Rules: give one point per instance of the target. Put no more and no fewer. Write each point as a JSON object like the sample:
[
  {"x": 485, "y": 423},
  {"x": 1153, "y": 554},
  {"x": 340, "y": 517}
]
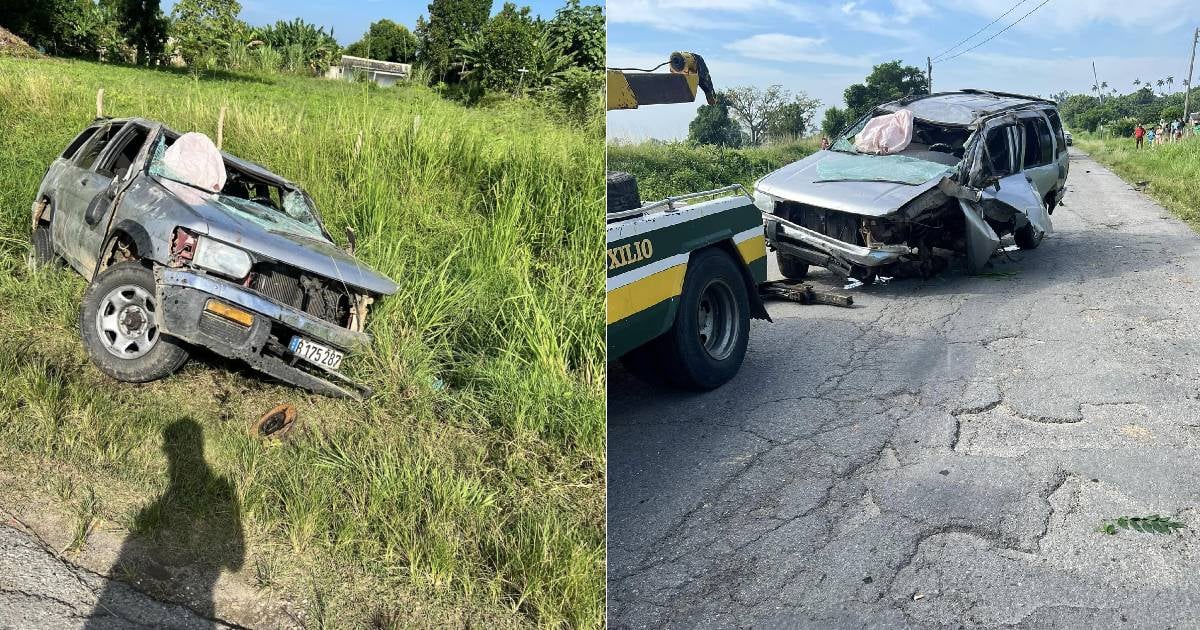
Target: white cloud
[
  {"x": 854, "y": 16},
  {"x": 779, "y": 47},
  {"x": 688, "y": 15}
]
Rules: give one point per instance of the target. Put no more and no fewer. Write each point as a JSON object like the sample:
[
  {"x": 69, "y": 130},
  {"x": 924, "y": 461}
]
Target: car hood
[
  {"x": 800, "y": 182},
  {"x": 310, "y": 254}
]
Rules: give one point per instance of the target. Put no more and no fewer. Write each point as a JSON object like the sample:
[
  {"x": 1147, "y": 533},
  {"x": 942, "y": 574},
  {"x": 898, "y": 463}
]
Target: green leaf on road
[{"x": 1153, "y": 524}]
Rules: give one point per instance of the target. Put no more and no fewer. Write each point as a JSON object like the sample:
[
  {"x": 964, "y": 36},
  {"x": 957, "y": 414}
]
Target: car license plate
[{"x": 315, "y": 353}]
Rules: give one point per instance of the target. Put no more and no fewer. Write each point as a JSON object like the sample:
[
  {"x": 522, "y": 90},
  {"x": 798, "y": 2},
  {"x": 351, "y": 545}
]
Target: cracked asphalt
[
  {"x": 939, "y": 456},
  {"x": 38, "y": 590}
]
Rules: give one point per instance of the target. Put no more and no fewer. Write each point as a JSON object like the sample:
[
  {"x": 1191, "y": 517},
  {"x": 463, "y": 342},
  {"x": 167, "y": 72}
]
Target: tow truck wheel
[
  {"x": 707, "y": 344},
  {"x": 118, "y": 322},
  {"x": 791, "y": 267}
]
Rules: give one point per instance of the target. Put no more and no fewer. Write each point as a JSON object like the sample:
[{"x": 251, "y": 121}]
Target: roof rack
[{"x": 1004, "y": 94}]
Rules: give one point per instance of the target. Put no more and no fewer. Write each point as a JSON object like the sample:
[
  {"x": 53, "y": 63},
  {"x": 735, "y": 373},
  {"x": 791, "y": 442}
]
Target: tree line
[
  {"x": 751, "y": 116},
  {"x": 459, "y": 47},
  {"x": 1107, "y": 109}
]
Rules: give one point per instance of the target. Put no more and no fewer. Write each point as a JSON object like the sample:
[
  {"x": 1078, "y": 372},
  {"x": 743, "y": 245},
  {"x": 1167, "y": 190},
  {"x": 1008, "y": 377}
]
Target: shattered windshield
[
  {"x": 294, "y": 214},
  {"x": 901, "y": 169}
]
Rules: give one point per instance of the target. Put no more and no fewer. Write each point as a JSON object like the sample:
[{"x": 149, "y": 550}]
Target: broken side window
[
  {"x": 87, "y": 157},
  {"x": 73, "y": 148},
  {"x": 999, "y": 156}
]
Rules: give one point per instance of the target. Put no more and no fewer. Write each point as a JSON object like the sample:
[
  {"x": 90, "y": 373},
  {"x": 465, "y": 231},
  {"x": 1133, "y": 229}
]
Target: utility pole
[
  {"x": 929, "y": 73},
  {"x": 1187, "y": 86},
  {"x": 1096, "y": 79}
]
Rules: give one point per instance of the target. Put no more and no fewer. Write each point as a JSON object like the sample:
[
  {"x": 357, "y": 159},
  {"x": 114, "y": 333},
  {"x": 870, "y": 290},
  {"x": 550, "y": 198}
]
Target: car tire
[
  {"x": 791, "y": 267},
  {"x": 622, "y": 192},
  {"x": 707, "y": 344},
  {"x": 42, "y": 250},
  {"x": 118, "y": 325},
  {"x": 1027, "y": 238}
]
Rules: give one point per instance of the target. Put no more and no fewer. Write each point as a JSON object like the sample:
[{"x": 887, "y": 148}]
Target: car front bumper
[
  {"x": 183, "y": 294},
  {"x": 826, "y": 251}
]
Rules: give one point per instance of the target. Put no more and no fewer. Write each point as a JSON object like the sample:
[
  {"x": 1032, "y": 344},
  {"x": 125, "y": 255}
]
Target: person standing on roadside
[
  {"x": 1139, "y": 133},
  {"x": 1150, "y": 136}
]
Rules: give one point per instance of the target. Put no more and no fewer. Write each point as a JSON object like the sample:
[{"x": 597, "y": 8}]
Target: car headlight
[
  {"x": 765, "y": 202},
  {"x": 220, "y": 258}
]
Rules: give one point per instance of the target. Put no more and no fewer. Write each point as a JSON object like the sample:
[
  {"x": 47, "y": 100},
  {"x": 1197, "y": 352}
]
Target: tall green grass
[
  {"x": 473, "y": 480},
  {"x": 1173, "y": 169},
  {"x": 675, "y": 168}
]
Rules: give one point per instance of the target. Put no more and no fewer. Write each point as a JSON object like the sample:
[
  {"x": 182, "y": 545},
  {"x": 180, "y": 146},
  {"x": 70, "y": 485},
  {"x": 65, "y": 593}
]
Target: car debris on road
[
  {"x": 184, "y": 244},
  {"x": 919, "y": 179}
]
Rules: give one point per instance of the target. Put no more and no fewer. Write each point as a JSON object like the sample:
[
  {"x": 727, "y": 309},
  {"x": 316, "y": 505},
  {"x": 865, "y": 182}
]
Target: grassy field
[
  {"x": 1173, "y": 170},
  {"x": 665, "y": 169},
  {"x": 473, "y": 481}
]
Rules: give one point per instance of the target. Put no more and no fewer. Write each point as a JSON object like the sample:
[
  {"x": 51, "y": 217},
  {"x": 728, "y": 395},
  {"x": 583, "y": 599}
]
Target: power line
[
  {"x": 997, "y": 33},
  {"x": 989, "y": 25}
]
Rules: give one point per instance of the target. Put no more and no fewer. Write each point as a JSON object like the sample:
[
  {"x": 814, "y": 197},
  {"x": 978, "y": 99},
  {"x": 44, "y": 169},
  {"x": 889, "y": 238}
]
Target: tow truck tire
[
  {"x": 792, "y": 267},
  {"x": 150, "y": 355},
  {"x": 1027, "y": 238},
  {"x": 706, "y": 346},
  {"x": 622, "y": 191}
]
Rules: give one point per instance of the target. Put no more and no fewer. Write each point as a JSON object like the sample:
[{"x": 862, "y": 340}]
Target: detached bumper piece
[
  {"x": 239, "y": 324},
  {"x": 802, "y": 294},
  {"x": 826, "y": 251}
]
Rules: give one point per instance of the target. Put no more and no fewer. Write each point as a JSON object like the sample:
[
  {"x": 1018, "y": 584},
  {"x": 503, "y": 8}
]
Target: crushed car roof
[
  {"x": 253, "y": 168},
  {"x": 960, "y": 108}
]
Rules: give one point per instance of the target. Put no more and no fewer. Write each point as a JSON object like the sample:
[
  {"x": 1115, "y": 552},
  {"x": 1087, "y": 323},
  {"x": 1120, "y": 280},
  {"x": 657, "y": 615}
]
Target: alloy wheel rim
[{"x": 126, "y": 322}]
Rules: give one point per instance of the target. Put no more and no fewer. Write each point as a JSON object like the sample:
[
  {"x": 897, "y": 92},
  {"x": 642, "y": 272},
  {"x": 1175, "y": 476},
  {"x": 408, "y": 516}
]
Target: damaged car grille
[
  {"x": 843, "y": 226},
  {"x": 312, "y": 294}
]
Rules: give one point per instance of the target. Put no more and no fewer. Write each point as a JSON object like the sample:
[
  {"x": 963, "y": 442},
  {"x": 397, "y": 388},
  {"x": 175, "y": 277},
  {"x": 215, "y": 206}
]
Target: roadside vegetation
[
  {"x": 665, "y": 169},
  {"x": 458, "y": 47},
  {"x": 1172, "y": 169},
  {"x": 469, "y": 490}
]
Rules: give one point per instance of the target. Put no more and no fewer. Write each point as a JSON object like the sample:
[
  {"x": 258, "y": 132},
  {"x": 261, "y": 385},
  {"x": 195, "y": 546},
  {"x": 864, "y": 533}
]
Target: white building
[{"x": 384, "y": 73}]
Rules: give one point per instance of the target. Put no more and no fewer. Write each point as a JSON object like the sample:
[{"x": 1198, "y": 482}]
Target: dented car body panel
[
  {"x": 104, "y": 204},
  {"x": 981, "y": 165}
]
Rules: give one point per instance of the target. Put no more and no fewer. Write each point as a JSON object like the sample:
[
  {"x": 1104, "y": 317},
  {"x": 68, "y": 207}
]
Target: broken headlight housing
[
  {"x": 763, "y": 201},
  {"x": 218, "y": 257}
]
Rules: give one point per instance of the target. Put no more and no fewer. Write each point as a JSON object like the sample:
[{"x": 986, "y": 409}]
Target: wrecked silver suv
[
  {"x": 184, "y": 244},
  {"x": 974, "y": 167}
]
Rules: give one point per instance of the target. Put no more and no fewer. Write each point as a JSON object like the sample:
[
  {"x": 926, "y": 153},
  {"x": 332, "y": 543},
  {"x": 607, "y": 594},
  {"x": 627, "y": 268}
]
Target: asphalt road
[
  {"x": 40, "y": 591},
  {"x": 939, "y": 456}
]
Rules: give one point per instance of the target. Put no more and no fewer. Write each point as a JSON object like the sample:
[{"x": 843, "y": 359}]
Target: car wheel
[
  {"x": 791, "y": 267},
  {"x": 622, "y": 192},
  {"x": 706, "y": 346},
  {"x": 42, "y": 252},
  {"x": 1027, "y": 237},
  {"x": 118, "y": 322}
]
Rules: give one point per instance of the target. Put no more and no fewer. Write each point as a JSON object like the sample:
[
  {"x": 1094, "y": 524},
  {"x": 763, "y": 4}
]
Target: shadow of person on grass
[{"x": 180, "y": 543}]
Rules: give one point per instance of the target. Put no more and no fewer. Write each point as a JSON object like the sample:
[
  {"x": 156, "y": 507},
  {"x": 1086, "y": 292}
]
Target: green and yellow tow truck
[{"x": 683, "y": 272}]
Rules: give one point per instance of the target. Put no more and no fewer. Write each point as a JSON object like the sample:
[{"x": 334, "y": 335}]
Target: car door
[
  {"x": 1039, "y": 161},
  {"x": 117, "y": 165},
  {"x": 78, "y": 186},
  {"x": 1007, "y": 193}
]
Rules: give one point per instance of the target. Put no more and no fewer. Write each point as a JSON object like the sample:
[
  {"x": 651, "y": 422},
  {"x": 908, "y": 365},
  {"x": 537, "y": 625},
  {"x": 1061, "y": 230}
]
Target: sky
[
  {"x": 350, "y": 18},
  {"x": 820, "y": 48}
]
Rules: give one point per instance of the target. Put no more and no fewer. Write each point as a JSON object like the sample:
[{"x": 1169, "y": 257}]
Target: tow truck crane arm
[{"x": 630, "y": 88}]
